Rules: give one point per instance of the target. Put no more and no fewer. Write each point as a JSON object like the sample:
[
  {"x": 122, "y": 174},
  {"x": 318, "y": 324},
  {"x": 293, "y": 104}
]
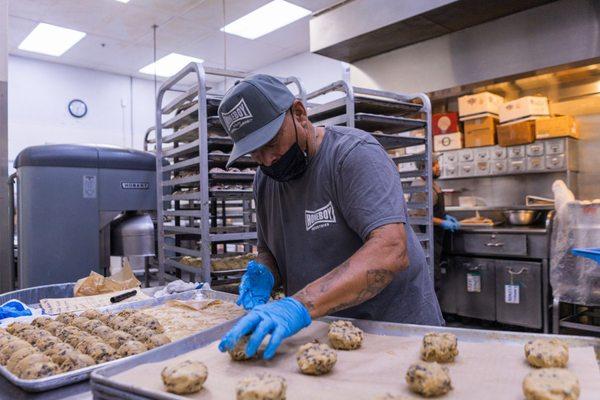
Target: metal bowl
[{"x": 521, "y": 217}]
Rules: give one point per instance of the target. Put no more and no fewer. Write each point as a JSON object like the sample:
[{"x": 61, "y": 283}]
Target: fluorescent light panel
[
  {"x": 123, "y": 1},
  {"x": 169, "y": 65},
  {"x": 51, "y": 39},
  {"x": 265, "y": 19}
]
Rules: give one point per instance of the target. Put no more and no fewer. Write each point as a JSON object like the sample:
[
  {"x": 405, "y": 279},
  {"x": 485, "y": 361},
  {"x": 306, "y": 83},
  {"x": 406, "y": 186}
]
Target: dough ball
[
  {"x": 261, "y": 387},
  {"x": 17, "y": 327},
  {"x": 57, "y": 353},
  {"x": 66, "y": 318},
  {"x": 73, "y": 360},
  {"x": 238, "y": 353},
  {"x": 17, "y": 357},
  {"x": 117, "y": 322},
  {"x": 315, "y": 358},
  {"x": 105, "y": 317},
  {"x": 53, "y": 326},
  {"x": 85, "y": 344},
  {"x": 45, "y": 342},
  {"x": 184, "y": 378},
  {"x": 141, "y": 333},
  {"x": 11, "y": 347},
  {"x": 78, "y": 338},
  {"x": 148, "y": 321},
  {"x": 428, "y": 379},
  {"x": 65, "y": 331},
  {"x": 547, "y": 353},
  {"x": 157, "y": 340},
  {"x": 5, "y": 339},
  {"x": 551, "y": 384},
  {"x": 117, "y": 338},
  {"x": 102, "y": 331},
  {"x": 28, "y": 361},
  {"x": 41, "y": 322},
  {"x": 131, "y": 347},
  {"x": 127, "y": 313},
  {"x": 32, "y": 335},
  {"x": 343, "y": 335},
  {"x": 91, "y": 314},
  {"x": 101, "y": 352},
  {"x": 440, "y": 347},
  {"x": 79, "y": 322},
  {"x": 39, "y": 370},
  {"x": 92, "y": 324}
]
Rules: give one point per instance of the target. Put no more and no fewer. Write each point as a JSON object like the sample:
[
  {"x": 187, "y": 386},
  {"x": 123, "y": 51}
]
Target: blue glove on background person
[
  {"x": 256, "y": 286},
  {"x": 450, "y": 223},
  {"x": 280, "y": 319}
]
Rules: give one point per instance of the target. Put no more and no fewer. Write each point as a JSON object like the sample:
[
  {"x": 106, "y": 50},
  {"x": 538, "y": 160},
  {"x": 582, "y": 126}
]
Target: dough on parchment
[
  {"x": 261, "y": 387},
  {"x": 428, "y": 379},
  {"x": 53, "y": 326},
  {"x": 73, "y": 360},
  {"x": 28, "y": 361},
  {"x": 551, "y": 384},
  {"x": 45, "y": 342},
  {"x": 316, "y": 358},
  {"x": 117, "y": 322},
  {"x": 78, "y": 338},
  {"x": 66, "y": 318},
  {"x": 148, "y": 321},
  {"x": 16, "y": 327},
  {"x": 65, "y": 331},
  {"x": 185, "y": 377},
  {"x": 141, "y": 333},
  {"x": 101, "y": 352},
  {"x": 39, "y": 370},
  {"x": 58, "y": 352},
  {"x": 157, "y": 340},
  {"x": 440, "y": 347},
  {"x": 547, "y": 353},
  {"x": 131, "y": 347},
  {"x": 11, "y": 347},
  {"x": 103, "y": 331},
  {"x": 79, "y": 322},
  {"x": 238, "y": 353},
  {"x": 117, "y": 338},
  {"x": 17, "y": 357},
  {"x": 343, "y": 335},
  {"x": 92, "y": 324}
]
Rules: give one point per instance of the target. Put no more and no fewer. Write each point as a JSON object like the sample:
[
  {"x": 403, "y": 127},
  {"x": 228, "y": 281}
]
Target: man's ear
[{"x": 299, "y": 112}]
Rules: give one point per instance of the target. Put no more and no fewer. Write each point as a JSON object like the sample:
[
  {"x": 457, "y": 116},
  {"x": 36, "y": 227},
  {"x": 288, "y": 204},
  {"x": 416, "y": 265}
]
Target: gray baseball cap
[{"x": 252, "y": 112}]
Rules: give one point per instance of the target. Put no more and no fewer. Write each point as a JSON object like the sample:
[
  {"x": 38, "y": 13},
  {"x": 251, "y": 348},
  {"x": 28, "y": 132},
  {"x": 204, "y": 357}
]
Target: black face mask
[{"x": 291, "y": 165}]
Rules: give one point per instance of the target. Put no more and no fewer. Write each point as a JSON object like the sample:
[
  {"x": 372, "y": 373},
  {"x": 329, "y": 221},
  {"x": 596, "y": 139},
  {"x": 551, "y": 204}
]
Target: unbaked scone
[
  {"x": 551, "y": 384},
  {"x": 238, "y": 353},
  {"x": 73, "y": 360},
  {"x": 131, "y": 347},
  {"x": 261, "y": 387},
  {"x": 11, "y": 347},
  {"x": 316, "y": 358},
  {"x": 39, "y": 370},
  {"x": 547, "y": 353},
  {"x": 343, "y": 335},
  {"x": 428, "y": 379},
  {"x": 157, "y": 340},
  {"x": 185, "y": 377},
  {"x": 440, "y": 347}
]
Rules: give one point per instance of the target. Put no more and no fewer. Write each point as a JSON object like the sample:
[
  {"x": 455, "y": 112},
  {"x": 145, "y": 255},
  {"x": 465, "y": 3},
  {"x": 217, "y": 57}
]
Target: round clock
[{"x": 77, "y": 108}]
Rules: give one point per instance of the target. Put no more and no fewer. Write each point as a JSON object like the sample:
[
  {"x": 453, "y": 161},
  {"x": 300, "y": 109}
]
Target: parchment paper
[
  {"x": 97, "y": 284},
  {"x": 55, "y": 306},
  {"x": 487, "y": 370}
]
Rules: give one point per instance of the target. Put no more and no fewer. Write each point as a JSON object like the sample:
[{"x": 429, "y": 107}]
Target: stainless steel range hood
[{"x": 357, "y": 29}]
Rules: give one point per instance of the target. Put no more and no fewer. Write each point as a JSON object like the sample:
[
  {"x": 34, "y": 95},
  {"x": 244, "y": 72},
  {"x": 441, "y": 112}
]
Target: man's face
[
  {"x": 278, "y": 146},
  {"x": 435, "y": 169}
]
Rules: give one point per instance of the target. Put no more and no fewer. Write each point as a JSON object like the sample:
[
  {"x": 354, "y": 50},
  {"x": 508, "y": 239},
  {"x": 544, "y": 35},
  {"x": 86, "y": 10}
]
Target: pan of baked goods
[
  {"x": 364, "y": 360},
  {"x": 47, "y": 352}
]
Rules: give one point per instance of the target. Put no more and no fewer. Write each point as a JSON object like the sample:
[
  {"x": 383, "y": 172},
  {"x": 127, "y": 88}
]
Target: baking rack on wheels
[
  {"x": 390, "y": 117},
  {"x": 206, "y": 213}
]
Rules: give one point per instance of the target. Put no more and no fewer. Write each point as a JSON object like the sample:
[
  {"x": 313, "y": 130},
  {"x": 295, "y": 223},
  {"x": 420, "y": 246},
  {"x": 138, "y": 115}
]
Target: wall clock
[{"x": 77, "y": 108}]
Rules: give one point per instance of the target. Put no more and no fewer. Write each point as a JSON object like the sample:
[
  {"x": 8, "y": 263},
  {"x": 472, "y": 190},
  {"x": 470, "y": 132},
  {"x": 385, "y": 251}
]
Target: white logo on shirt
[
  {"x": 319, "y": 218},
  {"x": 237, "y": 117}
]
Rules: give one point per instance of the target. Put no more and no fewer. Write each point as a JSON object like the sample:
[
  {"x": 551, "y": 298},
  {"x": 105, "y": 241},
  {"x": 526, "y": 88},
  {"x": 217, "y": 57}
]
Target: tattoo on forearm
[{"x": 333, "y": 276}]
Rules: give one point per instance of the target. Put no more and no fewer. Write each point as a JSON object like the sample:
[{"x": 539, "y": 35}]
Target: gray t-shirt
[{"x": 314, "y": 223}]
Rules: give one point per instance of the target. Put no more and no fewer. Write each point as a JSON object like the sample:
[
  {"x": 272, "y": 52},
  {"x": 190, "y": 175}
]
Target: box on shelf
[
  {"x": 442, "y": 123},
  {"x": 528, "y": 107},
  {"x": 516, "y": 133},
  {"x": 449, "y": 141},
  {"x": 476, "y": 105},
  {"x": 556, "y": 127},
  {"x": 480, "y": 132}
]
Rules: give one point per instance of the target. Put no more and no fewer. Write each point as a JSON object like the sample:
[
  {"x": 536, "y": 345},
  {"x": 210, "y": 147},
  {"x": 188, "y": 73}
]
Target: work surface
[{"x": 490, "y": 370}]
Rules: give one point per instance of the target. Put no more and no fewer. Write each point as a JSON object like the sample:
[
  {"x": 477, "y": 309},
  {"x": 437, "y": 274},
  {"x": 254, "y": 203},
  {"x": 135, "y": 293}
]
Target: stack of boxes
[{"x": 479, "y": 113}]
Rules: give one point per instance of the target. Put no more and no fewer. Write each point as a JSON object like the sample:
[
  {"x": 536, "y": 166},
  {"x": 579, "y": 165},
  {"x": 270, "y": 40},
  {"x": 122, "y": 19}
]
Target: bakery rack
[
  {"x": 204, "y": 211},
  {"x": 402, "y": 125}
]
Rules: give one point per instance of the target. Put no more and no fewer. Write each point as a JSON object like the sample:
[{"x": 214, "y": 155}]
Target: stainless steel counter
[{"x": 505, "y": 229}]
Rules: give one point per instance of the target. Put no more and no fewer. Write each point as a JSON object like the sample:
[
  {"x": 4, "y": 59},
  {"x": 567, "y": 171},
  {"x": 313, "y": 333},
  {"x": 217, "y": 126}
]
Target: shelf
[
  {"x": 382, "y": 123},
  {"x": 409, "y": 158},
  {"x": 232, "y": 176},
  {"x": 362, "y": 105},
  {"x": 549, "y": 171},
  {"x": 221, "y": 160}
]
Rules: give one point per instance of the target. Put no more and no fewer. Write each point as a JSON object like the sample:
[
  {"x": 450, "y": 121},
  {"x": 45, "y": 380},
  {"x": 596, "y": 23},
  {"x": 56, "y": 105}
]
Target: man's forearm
[
  {"x": 361, "y": 277},
  {"x": 266, "y": 258}
]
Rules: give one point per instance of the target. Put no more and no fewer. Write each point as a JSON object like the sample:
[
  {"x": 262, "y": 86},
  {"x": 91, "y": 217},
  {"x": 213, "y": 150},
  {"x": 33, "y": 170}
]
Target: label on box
[
  {"x": 511, "y": 294},
  {"x": 474, "y": 282}
]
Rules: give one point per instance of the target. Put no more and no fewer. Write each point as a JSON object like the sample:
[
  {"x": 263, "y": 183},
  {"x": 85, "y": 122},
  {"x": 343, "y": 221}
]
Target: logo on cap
[{"x": 237, "y": 117}]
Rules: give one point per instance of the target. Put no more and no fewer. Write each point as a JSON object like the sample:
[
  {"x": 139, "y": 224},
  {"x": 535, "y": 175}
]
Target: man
[{"x": 331, "y": 222}]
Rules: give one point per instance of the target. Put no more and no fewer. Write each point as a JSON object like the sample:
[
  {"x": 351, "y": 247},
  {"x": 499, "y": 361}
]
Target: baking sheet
[{"x": 483, "y": 370}]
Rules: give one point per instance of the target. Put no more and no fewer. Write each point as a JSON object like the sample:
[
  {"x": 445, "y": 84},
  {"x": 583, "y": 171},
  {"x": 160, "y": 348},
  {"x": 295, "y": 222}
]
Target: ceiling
[{"x": 120, "y": 36}]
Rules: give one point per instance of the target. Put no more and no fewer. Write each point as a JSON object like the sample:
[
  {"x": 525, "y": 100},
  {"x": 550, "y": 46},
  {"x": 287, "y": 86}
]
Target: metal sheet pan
[
  {"x": 103, "y": 383},
  {"x": 363, "y": 105},
  {"x": 39, "y": 385}
]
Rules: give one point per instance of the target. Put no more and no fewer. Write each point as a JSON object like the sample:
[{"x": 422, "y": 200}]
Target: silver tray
[
  {"x": 105, "y": 387},
  {"x": 67, "y": 378}
]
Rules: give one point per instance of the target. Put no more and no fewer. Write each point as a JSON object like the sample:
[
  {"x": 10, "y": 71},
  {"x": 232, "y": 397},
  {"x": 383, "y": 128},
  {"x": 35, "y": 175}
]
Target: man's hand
[
  {"x": 255, "y": 288},
  {"x": 280, "y": 319},
  {"x": 450, "y": 223}
]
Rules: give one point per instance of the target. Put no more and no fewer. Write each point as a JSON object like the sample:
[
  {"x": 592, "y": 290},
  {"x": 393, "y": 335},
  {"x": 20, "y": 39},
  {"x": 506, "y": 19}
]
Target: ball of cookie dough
[
  {"x": 141, "y": 333},
  {"x": 316, "y": 358},
  {"x": 343, "y": 335},
  {"x": 17, "y": 357},
  {"x": 102, "y": 331},
  {"x": 148, "y": 321},
  {"x": 73, "y": 360},
  {"x": 117, "y": 338},
  {"x": 28, "y": 361},
  {"x": 117, "y": 322},
  {"x": 101, "y": 352},
  {"x": 75, "y": 340},
  {"x": 58, "y": 352},
  {"x": 261, "y": 387},
  {"x": 131, "y": 347},
  {"x": 30, "y": 335},
  {"x": 41, "y": 322},
  {"x": 157, "y": 340},
  {"x": 91, "y": 314},
  {"x": 45, "y": 342},
  {"x": 79, "y": 322},
  {"x": 39, "y": 370},
  {"x": 66, "y": 318},
  {"x": 238, "y": 353},
  {"x": 92, "y": 324},
  {"x": 428, "y": 379},
  {"x": 546, "y": 353},
  {"x": 65, "y": 331},
  {"x": 551, "y": 384},
  {"x": 11, "y": 347},
  {"x": 184, "y": 378},
  {"x": 127, "y": 313},
  {"x": 6, "y": 338},
  {"x": 15, "y": 327},
  {"x": 440, "y": 347},
  {"x": 84, "y": 345},
  {"x": 53, "y": 326},
  {"x": 105, "y": 317}
]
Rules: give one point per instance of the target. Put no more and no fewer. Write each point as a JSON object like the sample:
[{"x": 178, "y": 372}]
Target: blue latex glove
[
  {"x": 255, "y": 288},
  {"x": 280, "y": 319},
  {"x": 13, "y": 308},
  {"x": 592, "y": 253},
  {"x": 450, "y": 223}
]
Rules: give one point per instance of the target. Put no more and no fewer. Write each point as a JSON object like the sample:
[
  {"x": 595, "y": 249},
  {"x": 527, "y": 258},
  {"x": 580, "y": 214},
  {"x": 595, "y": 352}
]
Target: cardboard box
[
  {"x": 556, "y": 127},
  {"x": 476, "y": 105},
  {"x": 480, "y": 132},
  {"x": 449, "y": 141},
  {"x": 528, "y": 107},
  {"x": 516, "y": 133},
  {"x": 443, "y": 123}
]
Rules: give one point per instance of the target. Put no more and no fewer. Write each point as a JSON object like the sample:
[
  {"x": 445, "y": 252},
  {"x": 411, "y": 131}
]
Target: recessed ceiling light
[
  {"x": 265, "y": 19},
  {"x": 51, "y": 39},
  {"x": 169, "y": 65},
  {"x": 123, "y": 1}
]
